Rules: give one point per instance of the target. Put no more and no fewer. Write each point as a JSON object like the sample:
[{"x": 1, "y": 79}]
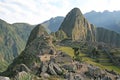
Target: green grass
[
  {"x": 115, "y": 68},
  {"x": 68, "y": 50},
  {"x": 92, "y": 61},
  {"x": 88, "y": 60}
]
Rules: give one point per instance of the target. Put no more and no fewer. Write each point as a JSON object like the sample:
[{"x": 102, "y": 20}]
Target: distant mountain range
[
  {"x": 106, "y": 19},
  {"x": 53, "y": 24}
]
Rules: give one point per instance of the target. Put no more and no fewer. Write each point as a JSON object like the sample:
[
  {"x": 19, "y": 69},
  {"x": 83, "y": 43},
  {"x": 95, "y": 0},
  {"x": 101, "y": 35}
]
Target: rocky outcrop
[
  {"x": 4, "y": 78},
  {"x": 57, "y": 69},
  {"x": 21, "y": 75},
  {"x": 43, "y": 67},
  {"x": 63, "y": 58},
  {"x": 38, "y": 31},
  {"x": 70, "y": 76},
  {"x": 70, "y": 67},
  {"x": 94, "y": 71},
  {"x": 77, "y": 27},
  {"x": 50, "y": 68}
]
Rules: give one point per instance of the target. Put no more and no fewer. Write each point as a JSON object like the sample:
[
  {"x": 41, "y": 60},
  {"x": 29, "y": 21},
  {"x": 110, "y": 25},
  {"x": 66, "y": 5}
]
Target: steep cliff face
[
  {"x": 110, "y": 37},
  {"x": 77, "y": 27}
]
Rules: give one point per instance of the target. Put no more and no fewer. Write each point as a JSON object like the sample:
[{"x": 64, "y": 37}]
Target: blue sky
[{"x": 37, "y": 11}]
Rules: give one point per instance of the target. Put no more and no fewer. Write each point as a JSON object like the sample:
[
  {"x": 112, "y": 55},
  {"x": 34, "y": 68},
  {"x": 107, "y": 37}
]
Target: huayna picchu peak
[
  {"x": 77, "y": 27},
  {"x": 77, "y": 51}
]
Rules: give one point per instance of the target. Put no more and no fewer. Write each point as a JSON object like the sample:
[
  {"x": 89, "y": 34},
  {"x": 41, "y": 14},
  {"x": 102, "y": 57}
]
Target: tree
[
  {"x": 94, "y": 52},
  {"x": 77, "y": 54},
  {"x": 76, "y": 51}
]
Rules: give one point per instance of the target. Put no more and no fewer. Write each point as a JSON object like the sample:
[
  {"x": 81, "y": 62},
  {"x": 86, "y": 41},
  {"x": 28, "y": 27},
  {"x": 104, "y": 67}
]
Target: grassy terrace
[
  {"x": 91, "y": 61},
  {"x": 86, "y": 59},
  {"x": 68, "y": 50}
]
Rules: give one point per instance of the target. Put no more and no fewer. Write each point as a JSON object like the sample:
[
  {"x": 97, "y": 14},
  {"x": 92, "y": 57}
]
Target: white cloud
[{"x": 37, "y": 11}]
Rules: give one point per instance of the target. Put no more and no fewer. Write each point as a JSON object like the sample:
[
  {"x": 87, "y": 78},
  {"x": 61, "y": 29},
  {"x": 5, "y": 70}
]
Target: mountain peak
[
  {"x": 76, "y": 26},
  {"x": 71, "y": 19},
  {"x": 76, "y": 10},
  {"x": 37, "y": 32}
]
